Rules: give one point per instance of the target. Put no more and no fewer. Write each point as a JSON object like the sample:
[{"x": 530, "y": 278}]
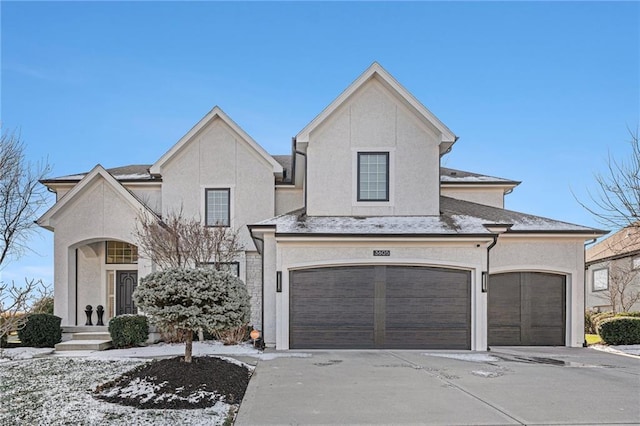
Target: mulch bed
[{"x": 175, "y": 384}]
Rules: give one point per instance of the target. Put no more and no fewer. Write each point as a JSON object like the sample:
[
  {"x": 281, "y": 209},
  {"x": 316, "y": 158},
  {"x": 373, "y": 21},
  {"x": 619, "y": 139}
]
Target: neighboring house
[
  {"x": 358, "y": 239},
  {"x": 613, "y": 272}
]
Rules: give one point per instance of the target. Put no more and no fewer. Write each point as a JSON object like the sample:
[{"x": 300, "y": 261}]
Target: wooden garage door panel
[
  {"x": 527, "y": 308},
  {"x": 427, "y": 313},
  {"x": 421, "y": 338},
  {"x": 416, "y": 282},
  {"x": 333, "y": 312},
  {"x": 334, "y": 338},
  {"x": 546, "y": 293},
  {"x": 505, "y": 336},
  {"x": 546, "y": 336},
  {"x": 504, "y": 301},
  {"x": 334, "y": 282}
]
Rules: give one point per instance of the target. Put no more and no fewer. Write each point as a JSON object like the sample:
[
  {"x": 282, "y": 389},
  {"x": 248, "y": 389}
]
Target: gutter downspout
[
  {"x": 306, "y": 171},
  {"x": 584, "y": 295}
]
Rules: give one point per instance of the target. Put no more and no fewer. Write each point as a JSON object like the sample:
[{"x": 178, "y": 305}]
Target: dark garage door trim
[
  {"x": 527, "y": 309},
  {"x": 379, "y": 306}
]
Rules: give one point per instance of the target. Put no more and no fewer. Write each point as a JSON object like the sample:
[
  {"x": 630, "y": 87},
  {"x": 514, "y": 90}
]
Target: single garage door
[
  {"x": 363, "y": 307},
  {"x": 527, "y": 309}
]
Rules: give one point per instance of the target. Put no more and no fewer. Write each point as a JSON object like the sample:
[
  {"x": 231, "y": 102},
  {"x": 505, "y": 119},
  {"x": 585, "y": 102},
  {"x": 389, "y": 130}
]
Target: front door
[{"x": 126, "y": 282}]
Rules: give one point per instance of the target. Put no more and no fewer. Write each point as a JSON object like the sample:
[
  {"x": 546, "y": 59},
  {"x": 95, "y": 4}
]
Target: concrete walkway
[{"x": 505, "y": 386}]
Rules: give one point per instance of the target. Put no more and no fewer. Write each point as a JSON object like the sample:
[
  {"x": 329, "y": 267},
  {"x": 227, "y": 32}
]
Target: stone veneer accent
[{"x": 254, "y": 286}]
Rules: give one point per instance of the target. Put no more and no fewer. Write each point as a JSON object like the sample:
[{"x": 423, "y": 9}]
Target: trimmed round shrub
[
  {"x": 41, "y": 331},
  {"x": 128, "y": 330},
  {"x": 190, "y": 299},
  {"x": 620, "y": 331}
]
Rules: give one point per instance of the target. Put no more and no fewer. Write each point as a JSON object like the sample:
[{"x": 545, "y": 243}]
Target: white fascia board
[
  {"x": 216, "y": 112},
  {"x": 376, "y": 70},
  {"x": 480, "y": 186}
]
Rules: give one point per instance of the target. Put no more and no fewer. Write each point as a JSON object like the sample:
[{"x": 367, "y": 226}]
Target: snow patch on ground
[
  {"x": 168, "y": 350},
  {"x": 274, "y": 355},
  {"x": 24, "y": 353},
  {"x": 471, "y": 357},
  {"x": 619, "y": 349},
  {"x": 487, "y": 374}
]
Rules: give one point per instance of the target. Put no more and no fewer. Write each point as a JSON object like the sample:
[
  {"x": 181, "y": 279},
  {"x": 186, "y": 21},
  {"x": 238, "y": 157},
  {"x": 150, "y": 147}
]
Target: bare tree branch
[
  {"x": 616, "y": 200},
  {"x": 16, "y": 302},
  {"x": 175, "y": 241},
  {"x": 21, "y": 196}
]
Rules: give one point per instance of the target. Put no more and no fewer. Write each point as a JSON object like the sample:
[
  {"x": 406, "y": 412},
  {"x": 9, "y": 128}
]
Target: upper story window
[
  {"x": 600, "y": 279},
  {"x": 217, "y": 207},
  {"x": 373, "y": 176},
  {"x": 121, "y": 252}
]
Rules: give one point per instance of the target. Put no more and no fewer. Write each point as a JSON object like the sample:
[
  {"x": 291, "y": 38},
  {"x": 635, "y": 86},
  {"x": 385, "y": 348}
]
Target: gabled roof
[
  {"x": 215, "y": 113},
  {"x": 96, "y": 173},
  {"x": 624, "y": 243},
  {"x": 376, "y": 71},
  {"x": 130, "y": 173},
  {"x": 458, "y": 218}
]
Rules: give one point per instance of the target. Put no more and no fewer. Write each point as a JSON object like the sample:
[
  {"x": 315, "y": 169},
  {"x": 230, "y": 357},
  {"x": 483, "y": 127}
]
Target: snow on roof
[
  {"x": 460, "y": 176},
  {"x": 457, "y": 218},
  {"x": 133, "y": 172}
]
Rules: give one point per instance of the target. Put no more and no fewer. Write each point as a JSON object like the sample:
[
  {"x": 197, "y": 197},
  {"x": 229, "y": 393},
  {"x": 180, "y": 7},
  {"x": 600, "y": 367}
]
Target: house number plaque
[{"x": 382, "y": 252}]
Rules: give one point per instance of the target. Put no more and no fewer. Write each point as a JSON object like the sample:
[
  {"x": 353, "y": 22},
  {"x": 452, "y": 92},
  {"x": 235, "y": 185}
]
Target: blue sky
[{"x": 537, "y": 92}]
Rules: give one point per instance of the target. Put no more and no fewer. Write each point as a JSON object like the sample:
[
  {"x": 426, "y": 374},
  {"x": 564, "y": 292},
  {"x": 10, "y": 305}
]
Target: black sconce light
[{"x": 278, "y": 281}]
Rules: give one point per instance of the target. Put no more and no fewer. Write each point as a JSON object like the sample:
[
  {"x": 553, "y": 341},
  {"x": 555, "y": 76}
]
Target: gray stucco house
[
  {"x": 613, "y": 272},
  {"x": 357, "y": 239}
]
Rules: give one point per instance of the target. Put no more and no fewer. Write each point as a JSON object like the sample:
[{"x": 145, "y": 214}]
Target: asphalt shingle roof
[{"x": 457, "y": 217}]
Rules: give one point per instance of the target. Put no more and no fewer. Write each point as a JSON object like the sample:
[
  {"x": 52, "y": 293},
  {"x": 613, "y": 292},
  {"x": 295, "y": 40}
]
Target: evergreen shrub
[
  {"x": 128, "y": 330},
  {"x": 41, "y": 331},
  {"x": 620, "y": 331}
]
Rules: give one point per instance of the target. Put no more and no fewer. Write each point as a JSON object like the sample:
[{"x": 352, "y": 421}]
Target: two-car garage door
[{"x": 380, "y": 307}]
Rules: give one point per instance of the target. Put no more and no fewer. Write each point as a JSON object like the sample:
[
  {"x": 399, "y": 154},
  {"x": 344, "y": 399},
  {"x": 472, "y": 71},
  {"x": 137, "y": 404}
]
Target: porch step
[
  {"x": 83, "y": 345},
  {"x": 84, "y": 328},
  {"x": 94, "y": 340},
  {"x": 91, "y": 335}
]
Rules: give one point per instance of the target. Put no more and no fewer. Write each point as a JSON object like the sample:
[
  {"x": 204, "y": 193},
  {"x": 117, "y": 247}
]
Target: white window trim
[
  {"x": 354, "y": 177},
  {"x": 600, "y": 270},
  {"x": 203, "y": 201}
]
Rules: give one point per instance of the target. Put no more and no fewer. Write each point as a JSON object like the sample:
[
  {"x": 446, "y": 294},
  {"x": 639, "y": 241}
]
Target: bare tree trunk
[{"x": 188, "y": 345}]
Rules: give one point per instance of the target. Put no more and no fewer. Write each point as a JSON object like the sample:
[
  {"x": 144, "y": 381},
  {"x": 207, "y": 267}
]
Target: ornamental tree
[
  {"x": 187, "y": 299},
  {"x": 176, "y": 240}
]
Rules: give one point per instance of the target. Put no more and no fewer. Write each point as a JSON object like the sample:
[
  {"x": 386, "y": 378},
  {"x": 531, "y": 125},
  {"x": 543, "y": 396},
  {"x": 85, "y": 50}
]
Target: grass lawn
[{"x": 593, "y": 339}]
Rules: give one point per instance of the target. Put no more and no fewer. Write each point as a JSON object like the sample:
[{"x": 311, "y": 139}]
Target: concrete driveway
[{"x": 505, "y": 386}]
